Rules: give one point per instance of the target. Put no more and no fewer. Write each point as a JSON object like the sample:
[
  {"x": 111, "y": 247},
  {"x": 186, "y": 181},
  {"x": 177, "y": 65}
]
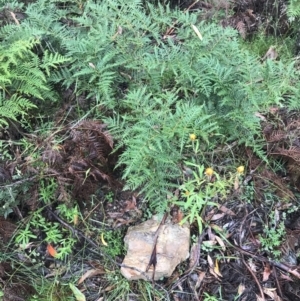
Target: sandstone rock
[{"x": 172, "y": 248}]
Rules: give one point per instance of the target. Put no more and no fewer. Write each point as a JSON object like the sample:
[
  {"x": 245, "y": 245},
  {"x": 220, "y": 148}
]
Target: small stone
[{"x": 172, "y": 248}]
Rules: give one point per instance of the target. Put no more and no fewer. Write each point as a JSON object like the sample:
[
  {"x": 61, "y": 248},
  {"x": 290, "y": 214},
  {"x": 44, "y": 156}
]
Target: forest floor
[{"x": 248, "y": 248}]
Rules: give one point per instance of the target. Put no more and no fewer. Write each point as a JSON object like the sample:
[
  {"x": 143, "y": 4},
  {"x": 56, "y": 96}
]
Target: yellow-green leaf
[{"x": 77, "y": 293}]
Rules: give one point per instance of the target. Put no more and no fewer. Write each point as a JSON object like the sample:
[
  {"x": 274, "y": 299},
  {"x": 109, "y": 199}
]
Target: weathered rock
[{"x": 172, "y": 248}]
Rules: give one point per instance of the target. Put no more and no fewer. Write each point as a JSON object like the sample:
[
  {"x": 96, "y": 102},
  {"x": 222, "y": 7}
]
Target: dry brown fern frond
[
  {"x": 294, "y": 172},
  {"x": 293, "y": 125},
  {"x": 92, "y": 140},
  {"x": 281, "y": 187},
  {"x": 79, "y": 162},
  {"x": 33, "y": 200},
  {"x": 241, "y": 28},
  {"x": 7, "y": 229},
  {"x": 292, "y": 153},
  {"x": 276, "y": 136},
  {"x": 6, "y": 171},
  {"x": 52, "y": 154}
]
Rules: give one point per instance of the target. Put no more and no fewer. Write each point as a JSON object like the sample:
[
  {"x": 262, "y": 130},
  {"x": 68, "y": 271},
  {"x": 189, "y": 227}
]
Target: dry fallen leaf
[
  {"x": 258, "y": 298},
  {"x": 266, "y": 272},
  {"x": 210, "y": 261},
  {"x": 75, "y": 219},
  {"x": 262, "y": 117},
  {"x": 195, "y": 254},
  {"x": 226, "y": 210},
  {"x": 102, "y": 240},
  {"x": 199, "y": 280},
  {"x": 273, "y": 110},
  {"x": 216, "y": 269},
  {"x": 271, "y": 54},
  {"x": 220, "y": 242},
  {"x": 210, "y": 234},
  {"x": 236, "y": 183},
  {"x": 130, "y": 205},
  {"x": 217, "y": 216},
  {"x": 196, "y": 30},
  {"x": 241, "y": 289},
  {"x": 51, "y": 250},
  {"x": 90, "y": 273},
  {"x": 271, "y": 292},
  {"x": 252, "y": 266}
]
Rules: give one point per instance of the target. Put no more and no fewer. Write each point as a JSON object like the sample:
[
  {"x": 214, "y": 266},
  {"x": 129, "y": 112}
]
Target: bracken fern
[{"x": 154, "y": 77}]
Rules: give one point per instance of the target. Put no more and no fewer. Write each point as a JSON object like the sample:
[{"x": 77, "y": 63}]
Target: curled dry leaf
[{"x": 103, "y": 241}]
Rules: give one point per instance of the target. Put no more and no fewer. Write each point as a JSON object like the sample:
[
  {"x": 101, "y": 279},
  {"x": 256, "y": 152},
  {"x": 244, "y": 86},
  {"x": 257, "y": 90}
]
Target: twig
[
  {"x": 277, "y": 282},
  {"x": 263, "y": 259},
  {"x": 255, "y": 278},
  {"x": 18, "y": 182},
  {"x": 153, "y": 257},
  {"x": 14, "y": 18}
]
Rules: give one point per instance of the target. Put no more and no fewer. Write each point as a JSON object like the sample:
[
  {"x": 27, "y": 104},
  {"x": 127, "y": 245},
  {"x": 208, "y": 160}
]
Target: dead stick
[
  {"x": 275, "y": 263},
  {"x": 277, "y": 282},
  {"x": 255, "y": 278},
  {"x": 153, "y": 256}
]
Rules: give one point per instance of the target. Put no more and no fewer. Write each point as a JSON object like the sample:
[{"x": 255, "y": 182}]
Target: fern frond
[
  {"x": 52, "y": 60},
  {"x": 13, "y": 107},
  {"x": 293, "y": 10}
]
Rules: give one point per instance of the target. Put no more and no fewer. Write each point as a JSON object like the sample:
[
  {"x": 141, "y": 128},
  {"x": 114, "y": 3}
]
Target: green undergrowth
[
  {"x": 260, "y": 43},
  {"x": 151, "y": 88}
]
